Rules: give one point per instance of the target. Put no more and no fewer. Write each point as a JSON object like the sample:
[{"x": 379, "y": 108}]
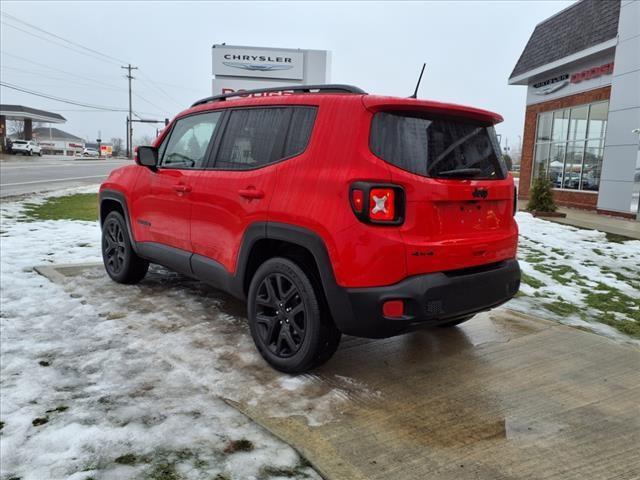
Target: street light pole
[{"x": 129, "y": 124}]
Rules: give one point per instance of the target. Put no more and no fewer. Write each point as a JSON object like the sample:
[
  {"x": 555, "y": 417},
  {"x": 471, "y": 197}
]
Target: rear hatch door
[{"x": 460, "y": 197}]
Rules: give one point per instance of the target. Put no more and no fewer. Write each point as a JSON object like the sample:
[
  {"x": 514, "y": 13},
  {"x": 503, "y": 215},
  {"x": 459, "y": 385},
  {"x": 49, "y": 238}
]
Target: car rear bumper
[{"x": 429, "y": 299}]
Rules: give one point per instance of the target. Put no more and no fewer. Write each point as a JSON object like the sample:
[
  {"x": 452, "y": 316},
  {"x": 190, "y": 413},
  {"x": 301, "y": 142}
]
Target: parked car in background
[
  {"x": 26, "y": 147},
  {"x": 90, "y": 152}
]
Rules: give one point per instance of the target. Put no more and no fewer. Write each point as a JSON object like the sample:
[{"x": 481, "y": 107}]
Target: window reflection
[{"x": 569, "y": 146}]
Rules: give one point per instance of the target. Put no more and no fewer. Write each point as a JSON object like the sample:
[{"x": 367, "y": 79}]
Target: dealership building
[{"x": 581, "y": 68}]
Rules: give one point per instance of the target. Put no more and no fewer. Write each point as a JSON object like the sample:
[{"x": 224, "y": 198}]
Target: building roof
[
  {"x": 584, "y": 24},
  {"x": 20, "y": 112},
  {"x": 46, "y": 133}
]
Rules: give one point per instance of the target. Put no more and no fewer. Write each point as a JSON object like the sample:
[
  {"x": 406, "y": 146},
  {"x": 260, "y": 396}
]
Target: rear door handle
[
  {"x": 251, "y": 193},
  {"x": 181, "y": 188}
]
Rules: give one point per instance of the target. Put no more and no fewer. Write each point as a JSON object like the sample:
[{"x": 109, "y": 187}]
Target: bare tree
[
  {"x": 15, "y": 128},
  {"x": 117, "y": 146},
  {"x": 143, "y": 140}
]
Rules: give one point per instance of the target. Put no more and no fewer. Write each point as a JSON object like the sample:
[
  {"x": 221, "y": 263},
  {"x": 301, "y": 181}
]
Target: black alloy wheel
[
  {"x": 288, "y": 316},
  {"x": 113, "y": 247},
  {"x": 280, "y": 315},
  {"x": 120, "y": 260}
]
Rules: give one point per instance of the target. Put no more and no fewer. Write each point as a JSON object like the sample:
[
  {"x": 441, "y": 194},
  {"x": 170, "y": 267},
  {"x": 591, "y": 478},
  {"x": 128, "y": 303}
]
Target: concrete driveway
[{"x": 505, "y": 396}]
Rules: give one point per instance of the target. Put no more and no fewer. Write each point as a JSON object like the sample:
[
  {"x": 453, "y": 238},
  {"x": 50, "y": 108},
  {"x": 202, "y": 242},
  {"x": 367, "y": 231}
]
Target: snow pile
[
  {"x": 577, "y": 276},
  {"x": 95, "y": 387}
]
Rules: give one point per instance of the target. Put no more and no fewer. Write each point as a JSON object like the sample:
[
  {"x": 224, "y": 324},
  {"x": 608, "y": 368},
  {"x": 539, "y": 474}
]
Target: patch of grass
[
  {"x": 597, "y": 251},
  {"x": 531, "y": 281},
  {"x": 1, "y": 425},
  {"x": 562, "y": 308},
  {"x": 540, "y": 294},
  {"x": 629, "y": 327},
  {"x": 535, "y": 259},
  {"x": 615, "y": 238},
  {"x": 39, "y": 421},
  {"x": 563, "y": 274},
  {"x": 164, "y": 471},
  {"x": 242, "y": 445},
  {"x": 608, "y": 299},
  {"x": 44, "y": 363},
  {"x": 58, "y": 409},
  {"x": 80, "y": 206},
  {"x": 297, "y": 471},
  {"x": 127, "y": 459}
]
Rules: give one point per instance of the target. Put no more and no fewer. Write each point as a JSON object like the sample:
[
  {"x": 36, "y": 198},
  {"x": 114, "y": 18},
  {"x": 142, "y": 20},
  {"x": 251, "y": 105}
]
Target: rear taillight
[
  {"x": 357, "y": 200},
  {"x": 377, "y": 203},
  {"x": 382, "y": 204}
]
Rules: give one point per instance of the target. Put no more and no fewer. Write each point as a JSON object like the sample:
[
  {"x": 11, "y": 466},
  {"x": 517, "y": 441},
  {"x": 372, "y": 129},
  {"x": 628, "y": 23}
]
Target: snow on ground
[
  {"x": 93, "y": 388},
  {"x": 578, "y": 277},
  {"x": 129, "y": 382}
]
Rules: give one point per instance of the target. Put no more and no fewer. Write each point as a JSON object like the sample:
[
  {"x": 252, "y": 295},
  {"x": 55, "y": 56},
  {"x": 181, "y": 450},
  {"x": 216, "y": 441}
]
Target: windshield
[
  {"x": 19, "y": 142},
  {"x": 437, "y": 147}
]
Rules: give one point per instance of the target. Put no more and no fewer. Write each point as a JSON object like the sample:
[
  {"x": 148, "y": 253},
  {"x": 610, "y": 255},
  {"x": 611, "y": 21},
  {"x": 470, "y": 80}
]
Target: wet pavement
[{"x": 505, "y": 396}]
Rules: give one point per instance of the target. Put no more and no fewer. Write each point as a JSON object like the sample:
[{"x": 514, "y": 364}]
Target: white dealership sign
[
  {"x": 238, "y": 68},
  {"x": 259, "y": 63}
]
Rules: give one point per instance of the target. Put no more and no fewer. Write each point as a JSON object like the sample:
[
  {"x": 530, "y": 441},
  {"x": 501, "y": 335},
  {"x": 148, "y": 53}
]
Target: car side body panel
[{"x": 429, "y": 260}]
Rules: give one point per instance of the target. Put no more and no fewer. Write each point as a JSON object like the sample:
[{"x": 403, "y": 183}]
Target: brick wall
[{"x": 574, "y": 199}]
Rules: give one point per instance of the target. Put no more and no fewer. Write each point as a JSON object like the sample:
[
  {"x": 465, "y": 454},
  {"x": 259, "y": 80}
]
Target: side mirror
[{"x": 147, "y": 157}]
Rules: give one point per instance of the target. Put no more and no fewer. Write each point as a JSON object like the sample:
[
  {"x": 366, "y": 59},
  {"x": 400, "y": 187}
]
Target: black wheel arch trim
[
  {"x": 117, "y": 196},
  {"x": 215, "y": 274}
]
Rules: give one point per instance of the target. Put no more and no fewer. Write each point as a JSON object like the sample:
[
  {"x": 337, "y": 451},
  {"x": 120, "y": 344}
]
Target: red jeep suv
[{"x": 329, "y": 210}]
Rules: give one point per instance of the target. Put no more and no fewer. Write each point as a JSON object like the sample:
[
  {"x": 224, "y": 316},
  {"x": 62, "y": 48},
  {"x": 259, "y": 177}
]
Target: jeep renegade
[{"x": 328, "y": 210}]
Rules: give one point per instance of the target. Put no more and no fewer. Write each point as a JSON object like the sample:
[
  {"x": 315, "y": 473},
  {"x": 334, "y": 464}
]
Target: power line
[
  {"x": 105, "y": 85},
  {"x": 60, "y": 99},
  {"x": 57, "y": 69},
  {"x": 15, "y": 19},
  {"x": 66, "y": 80},
  {"x": 158, "y": 88},
  {"x": 58, "y": 43},
  {"x": 150, "y": 103}
]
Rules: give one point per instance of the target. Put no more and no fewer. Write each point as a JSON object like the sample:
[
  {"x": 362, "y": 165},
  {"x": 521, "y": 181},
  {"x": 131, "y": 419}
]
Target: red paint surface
[{"x": 445, "y": 227}]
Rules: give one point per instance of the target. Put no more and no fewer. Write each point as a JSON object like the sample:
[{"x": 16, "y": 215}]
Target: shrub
[{"x": 541, "y": 196}]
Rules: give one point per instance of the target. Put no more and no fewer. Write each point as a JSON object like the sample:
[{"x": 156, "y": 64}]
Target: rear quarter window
[
  {"x": 437, "y": 147},
  {"x": 255, "y": 137}
]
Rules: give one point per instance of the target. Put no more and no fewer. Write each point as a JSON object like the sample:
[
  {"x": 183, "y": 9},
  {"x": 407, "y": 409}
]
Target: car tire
[
  {"x": 40, "y": 153},
  {"x": 286, "y": 318},
  {"x": 29, "y": 152},
  {"x": 121, "y": 262},
  {"x": 453, "y": 323}
]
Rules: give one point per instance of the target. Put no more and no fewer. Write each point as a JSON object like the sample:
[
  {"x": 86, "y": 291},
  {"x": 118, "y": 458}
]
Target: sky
[{"x": 470, "y": 48}]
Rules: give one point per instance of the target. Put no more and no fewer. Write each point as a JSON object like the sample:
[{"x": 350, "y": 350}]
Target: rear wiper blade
[{"x": 460, "y": 172}]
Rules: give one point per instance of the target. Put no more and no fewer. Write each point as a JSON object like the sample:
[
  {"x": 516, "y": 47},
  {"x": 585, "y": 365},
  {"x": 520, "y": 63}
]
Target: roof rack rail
[{"x": 329, "y": 88}]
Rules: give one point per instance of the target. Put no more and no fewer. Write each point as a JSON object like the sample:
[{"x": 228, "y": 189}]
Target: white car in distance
[{"x": 26, "y": 147}]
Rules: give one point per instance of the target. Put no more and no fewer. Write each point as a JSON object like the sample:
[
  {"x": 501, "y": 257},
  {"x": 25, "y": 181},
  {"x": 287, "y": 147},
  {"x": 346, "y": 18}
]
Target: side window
[
  {"x": 302, "y": 120},
  {"x": 188, "y": 141},
  {"x": 253, "y": 137}
]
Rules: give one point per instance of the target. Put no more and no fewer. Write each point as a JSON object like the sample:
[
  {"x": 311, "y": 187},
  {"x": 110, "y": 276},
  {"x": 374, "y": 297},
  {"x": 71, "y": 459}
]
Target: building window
[{"x": 569, "y": 146}]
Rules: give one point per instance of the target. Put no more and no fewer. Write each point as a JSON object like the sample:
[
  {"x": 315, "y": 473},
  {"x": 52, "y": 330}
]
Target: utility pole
[{"x": 129, "y": 123}]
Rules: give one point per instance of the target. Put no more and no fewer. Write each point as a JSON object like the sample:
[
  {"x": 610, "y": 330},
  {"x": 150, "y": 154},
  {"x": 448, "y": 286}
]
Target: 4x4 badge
[{"x": 480, "y": 193}]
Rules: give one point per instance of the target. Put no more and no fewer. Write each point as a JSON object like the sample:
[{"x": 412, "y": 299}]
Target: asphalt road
[{"x": 23, "y": 175}]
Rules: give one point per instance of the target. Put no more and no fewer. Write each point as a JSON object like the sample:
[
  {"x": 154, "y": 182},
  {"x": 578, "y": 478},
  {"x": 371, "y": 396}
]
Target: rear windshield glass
[
  {"x": 19, "y": 142},
  {"x": 437, "y": 147}
]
